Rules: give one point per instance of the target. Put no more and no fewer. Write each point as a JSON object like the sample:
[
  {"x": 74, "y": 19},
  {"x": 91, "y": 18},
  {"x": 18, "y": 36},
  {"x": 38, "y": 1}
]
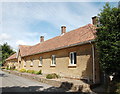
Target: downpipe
[{"x": 93, "y": 60}]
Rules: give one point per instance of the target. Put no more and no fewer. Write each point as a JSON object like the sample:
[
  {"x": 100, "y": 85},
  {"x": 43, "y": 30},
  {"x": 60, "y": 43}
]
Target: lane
[{"x": 13, "y": 83}]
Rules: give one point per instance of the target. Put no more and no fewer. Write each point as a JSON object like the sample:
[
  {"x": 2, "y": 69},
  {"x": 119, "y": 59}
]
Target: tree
[
  {"x": 6, "y": 51},
  {"x": 108, "y": 39}
]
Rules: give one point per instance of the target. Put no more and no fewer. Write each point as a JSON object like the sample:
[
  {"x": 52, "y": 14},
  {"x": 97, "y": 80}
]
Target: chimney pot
[
  {"x": 41, "y": 38},
  {"x": 94, "y": 20},
  {"x": 63, "y": 29}
]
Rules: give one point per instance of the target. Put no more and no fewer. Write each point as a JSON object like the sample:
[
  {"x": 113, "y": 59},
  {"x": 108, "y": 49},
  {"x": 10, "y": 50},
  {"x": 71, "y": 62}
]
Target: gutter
[
  {"x": 93, "y": 59},
  {"x": 72, "y": 45}
]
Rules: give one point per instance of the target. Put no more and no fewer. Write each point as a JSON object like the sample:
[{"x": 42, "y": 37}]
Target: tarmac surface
[{"x": 13, "y": 83}]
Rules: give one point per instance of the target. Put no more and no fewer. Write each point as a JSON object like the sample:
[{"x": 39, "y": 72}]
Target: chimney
[
  {"x": 94, "y": 20},
  {"x": 63, "y": 29},
  {"x": 41, "y": 38}
]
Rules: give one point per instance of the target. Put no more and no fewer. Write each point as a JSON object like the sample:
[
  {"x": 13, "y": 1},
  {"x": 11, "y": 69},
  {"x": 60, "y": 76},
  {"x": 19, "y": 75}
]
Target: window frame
[
  {"x": 53, "y": 61},
  {"x": 40, "y": 61},
  {"x": 72, "y": 62},
  {"x": 31, "y": 64}
]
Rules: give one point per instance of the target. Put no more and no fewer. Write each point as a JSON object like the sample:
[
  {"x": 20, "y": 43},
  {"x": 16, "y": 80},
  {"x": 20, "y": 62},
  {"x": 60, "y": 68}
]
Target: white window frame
[
  {"x": 72, "y": 62},
  {"x": 40, "y": 61},
  {"x": 31, "y": 64},
  {"x": 53, "y": 62}
]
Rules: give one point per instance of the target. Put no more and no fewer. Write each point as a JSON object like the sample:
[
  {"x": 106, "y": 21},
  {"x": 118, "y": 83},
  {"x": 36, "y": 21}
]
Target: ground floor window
[
  {"x": 40, "y": 63},
  {"x": 73, "y": 58},
  {"x": 53, "y": 60},
  {"x": 31, "y": 64}
]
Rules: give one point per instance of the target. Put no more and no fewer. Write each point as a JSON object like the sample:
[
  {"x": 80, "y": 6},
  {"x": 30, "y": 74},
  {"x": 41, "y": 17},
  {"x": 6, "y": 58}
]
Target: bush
[
  {"x": 52, "y": 76},
  {"x": 22, "y": 70},
  {"x": 15, "y": 70},
  {"x": 38, "y": 72},
  {"x": 115, "y": 87},
  {"x": 30, "y": 71}
]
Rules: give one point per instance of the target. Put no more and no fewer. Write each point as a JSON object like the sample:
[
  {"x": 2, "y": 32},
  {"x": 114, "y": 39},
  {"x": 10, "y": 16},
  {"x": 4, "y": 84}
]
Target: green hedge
[
  {"x": 22, "y": 70},
  {"x": 52, "y": 76},
  {"x": 30, "y": 71},
  {"x": 38, "y": 72}
]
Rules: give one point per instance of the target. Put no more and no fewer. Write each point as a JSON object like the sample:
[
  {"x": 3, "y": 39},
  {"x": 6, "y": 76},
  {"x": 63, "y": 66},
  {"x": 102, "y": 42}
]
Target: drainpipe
[{"x": 93, "y": 59}]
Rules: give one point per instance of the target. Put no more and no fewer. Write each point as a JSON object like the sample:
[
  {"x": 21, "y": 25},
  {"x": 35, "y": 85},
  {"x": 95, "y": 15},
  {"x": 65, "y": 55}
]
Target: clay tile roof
[
  {"x": 81, "y": 34},
  {"x": 12, "y": 57},
  {"x": 24, "y": 49}
]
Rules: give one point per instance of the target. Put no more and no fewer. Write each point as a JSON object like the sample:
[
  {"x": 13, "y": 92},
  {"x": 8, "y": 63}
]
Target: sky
[{"x": 24, "y": 22}]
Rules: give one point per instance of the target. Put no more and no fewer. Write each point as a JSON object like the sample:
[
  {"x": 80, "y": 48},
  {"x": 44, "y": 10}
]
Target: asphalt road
[{"x": 13, "y": 83}]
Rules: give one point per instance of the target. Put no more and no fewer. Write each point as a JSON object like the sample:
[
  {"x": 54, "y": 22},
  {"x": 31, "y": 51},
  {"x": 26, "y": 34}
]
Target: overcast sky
[{"x": 24, "y": 22}]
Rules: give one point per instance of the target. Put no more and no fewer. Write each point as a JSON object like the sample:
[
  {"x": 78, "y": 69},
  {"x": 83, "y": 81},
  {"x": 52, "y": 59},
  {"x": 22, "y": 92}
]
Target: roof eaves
[{"x": 76, "y": 44}]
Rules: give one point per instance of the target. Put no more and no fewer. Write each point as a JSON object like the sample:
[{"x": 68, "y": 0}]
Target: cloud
[
  {"x": 18, "y": 19},
  {"x": 4, "y": 36},
  {"x": 20, "y": 42}
]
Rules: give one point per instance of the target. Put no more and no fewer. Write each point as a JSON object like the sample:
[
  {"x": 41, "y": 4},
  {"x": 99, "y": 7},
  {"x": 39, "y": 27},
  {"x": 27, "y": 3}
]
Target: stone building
[{"x": 72, "y": 54}]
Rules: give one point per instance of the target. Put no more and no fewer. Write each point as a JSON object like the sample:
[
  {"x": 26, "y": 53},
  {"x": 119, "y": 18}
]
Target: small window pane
[
  {"x": 74, "y": 58},
  {"x": 53, "y": 59},
  {"x": 31, "y": 62},
  {"x": 40, "y": 60}
]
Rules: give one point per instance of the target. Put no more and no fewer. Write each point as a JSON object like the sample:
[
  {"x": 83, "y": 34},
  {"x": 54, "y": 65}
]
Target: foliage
[
  {"x": 115, "y": 87},
  {"x": 30, "y": 71},
  {"x": 22, "y": 70},
  {"x": 108, "y": 39},
  {"x": 52, "y": 76},
  {"x": 15, "y": 69},
  {"x": 38, "y": 72},
  {"x": 6, "y": 51}
]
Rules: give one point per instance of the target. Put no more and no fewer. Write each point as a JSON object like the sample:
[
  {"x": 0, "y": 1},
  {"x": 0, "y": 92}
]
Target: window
[
  {"x": 53, "y": 60},
  {"x": 73, "y": 58},
  {"x": 40, "y": 64},
  {"x": 31, "y": 63}
]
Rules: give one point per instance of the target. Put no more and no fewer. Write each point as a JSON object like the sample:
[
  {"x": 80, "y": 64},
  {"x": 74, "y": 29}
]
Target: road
[{"x": 13, "y": 83}]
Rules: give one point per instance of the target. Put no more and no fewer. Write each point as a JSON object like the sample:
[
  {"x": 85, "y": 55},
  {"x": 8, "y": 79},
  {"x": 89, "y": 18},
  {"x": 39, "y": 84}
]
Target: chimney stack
[
  {"x": 94, "y": 20},
  {"x": 63, "y": 29},
  {"x": 41, "y": 38}
]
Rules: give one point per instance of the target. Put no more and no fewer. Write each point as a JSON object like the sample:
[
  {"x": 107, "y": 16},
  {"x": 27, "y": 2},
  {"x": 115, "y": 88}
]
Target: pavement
[{"x": 14, "y": 83}]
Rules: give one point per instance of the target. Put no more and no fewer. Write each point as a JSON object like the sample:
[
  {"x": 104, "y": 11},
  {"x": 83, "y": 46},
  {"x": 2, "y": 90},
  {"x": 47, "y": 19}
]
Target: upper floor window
[
  {"x": 73, "y": 58},
  {"x": 53, "y": 60},
  {"x": 40, "y": 63}
]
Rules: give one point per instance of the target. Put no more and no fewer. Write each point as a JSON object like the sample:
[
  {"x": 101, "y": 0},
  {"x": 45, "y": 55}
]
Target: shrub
[
  {"x": 22, "y": 70},
  {"x": 15, "y": 70},
  {"x": 52, "y": 76},
  {"x": 38, "y": 72},
  {"x": 30, "y": 71}
]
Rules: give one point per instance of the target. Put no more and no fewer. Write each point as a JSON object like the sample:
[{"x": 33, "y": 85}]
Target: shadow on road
[
  {"x": 31, "y": 89},
  {"x": 3, "y": 75}
]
